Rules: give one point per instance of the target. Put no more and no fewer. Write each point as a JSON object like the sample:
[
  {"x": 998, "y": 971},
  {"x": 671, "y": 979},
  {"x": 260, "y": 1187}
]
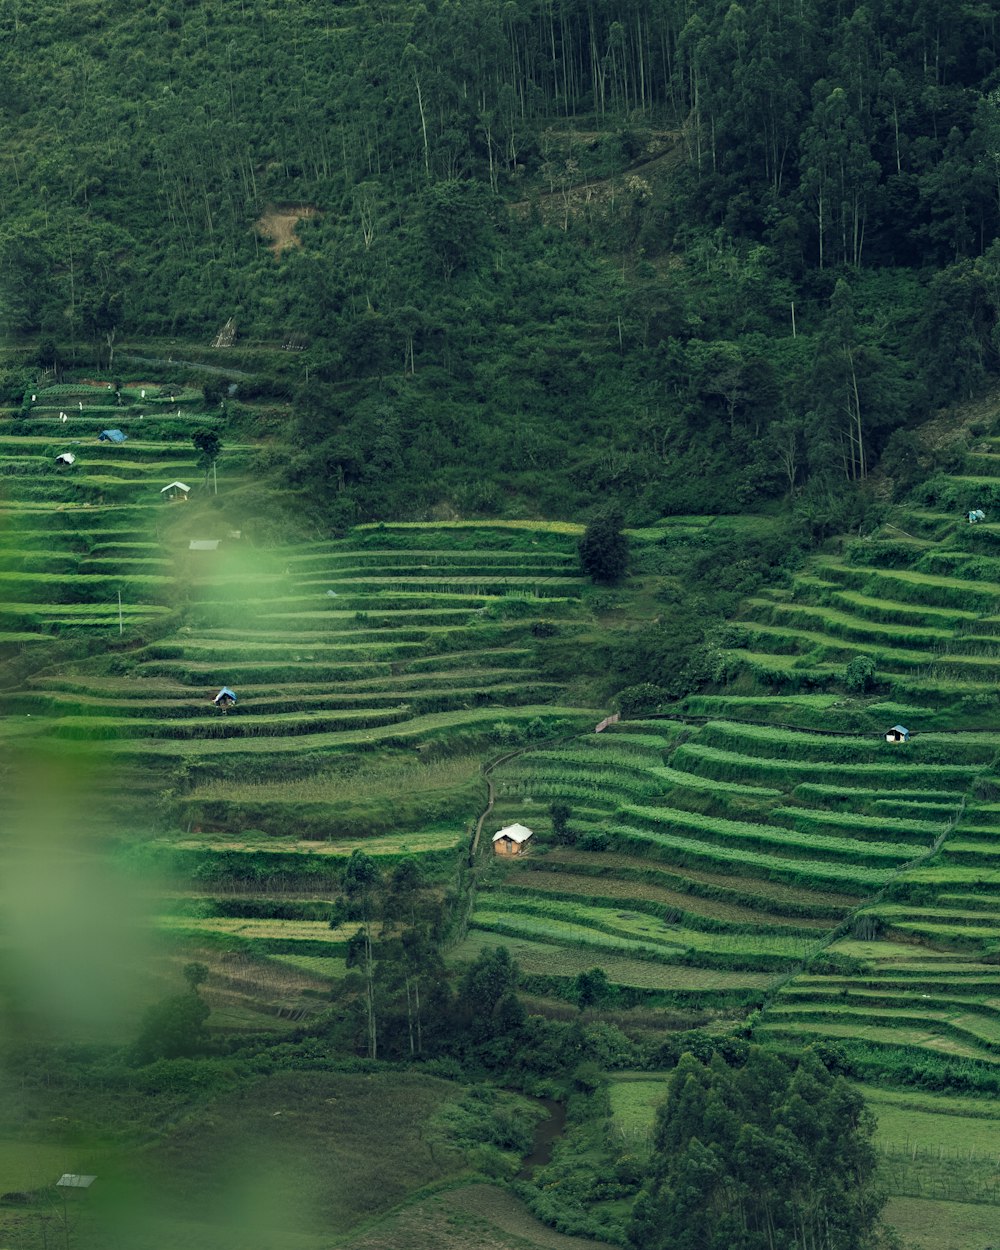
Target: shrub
[
  {"x": 604, "y": 549},
  {"x": 859, "y": 676},
  {"x": 641, "y": 699}
]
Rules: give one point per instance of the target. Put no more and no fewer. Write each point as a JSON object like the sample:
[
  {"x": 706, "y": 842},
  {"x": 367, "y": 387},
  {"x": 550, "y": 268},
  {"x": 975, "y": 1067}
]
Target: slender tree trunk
[
  {"x": 423, "y": 125},
  {"x": 370, "y": 994}
]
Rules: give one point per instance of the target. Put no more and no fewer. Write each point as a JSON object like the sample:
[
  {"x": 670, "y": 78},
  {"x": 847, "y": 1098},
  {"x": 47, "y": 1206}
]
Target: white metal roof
[
  {"x": 72, "y": 1180},
  {"x": 67, "y": 456},
  {"x": 204, "y": 544},
  {"x": 178, "y": 486},
  {"x": 516, "y": 833}
]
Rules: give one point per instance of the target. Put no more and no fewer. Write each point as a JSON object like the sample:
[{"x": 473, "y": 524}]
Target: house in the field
[
  {"x": 511, "y": 840},
  {"x": 176, "y": 490},
  {"x": 111, "y": 436},
  {"x": 898, "y": 733},
  {"x": 976, "y": 515},
  {"x": 65, "y": 459},
  {"x": 204, "y": 544}
]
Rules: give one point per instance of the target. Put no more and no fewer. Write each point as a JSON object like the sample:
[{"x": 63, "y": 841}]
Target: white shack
[
  {"x": 511, "y": 840},
  {"x": 176, "y": 490}
]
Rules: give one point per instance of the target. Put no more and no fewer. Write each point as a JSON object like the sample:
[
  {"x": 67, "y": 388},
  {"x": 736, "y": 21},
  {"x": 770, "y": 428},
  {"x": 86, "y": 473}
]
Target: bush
[
  {"x": 641, "y": 699},
  {"x": 604, "y": 549},
  {"x": 859, "y": 676}
]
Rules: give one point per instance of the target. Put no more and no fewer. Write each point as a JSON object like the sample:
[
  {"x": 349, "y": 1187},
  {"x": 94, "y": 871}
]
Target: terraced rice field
[
  {"x": 685, "y": 827},
  {"x": 749, "y": 887},
  {"x": 381, "y": 656},
  {"x": 848, "y": 885}
]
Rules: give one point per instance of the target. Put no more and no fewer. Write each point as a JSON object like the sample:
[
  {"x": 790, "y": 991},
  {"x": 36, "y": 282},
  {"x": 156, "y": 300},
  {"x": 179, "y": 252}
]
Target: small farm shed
[
  {"x": 976, "y": 515},
  {"x": 898, "y": 733},
  {"x": 225, "y": 697},
  {"x": 176, "y": 490},
  {"x": 74, "y": 1180},
  {"x": 111, "y": 436},
  {"x": 511, "y": 840},
  {"x": 204, "y": 544},
  {"x": 66, "y": 458}
]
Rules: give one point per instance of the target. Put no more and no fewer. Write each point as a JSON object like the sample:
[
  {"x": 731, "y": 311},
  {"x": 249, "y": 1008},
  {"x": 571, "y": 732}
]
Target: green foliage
[
  {"x": 640, "y": 700},
  {"x": 172, "y": 1029},
  {"x": 560, "y": 815},
  {"x": 859, "y": 676},
  {"x": 486, "y": 999},
  {"x": 592, "y": 988},
  {"x": 604, "y": 549},
  {"x": 766, "y": 1150},
  {"x": 195, "y": 974},
  {"x": 208, "y": 444}
]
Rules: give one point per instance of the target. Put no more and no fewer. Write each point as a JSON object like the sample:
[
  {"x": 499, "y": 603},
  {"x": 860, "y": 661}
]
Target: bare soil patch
[{"x": 278, "y": 224}]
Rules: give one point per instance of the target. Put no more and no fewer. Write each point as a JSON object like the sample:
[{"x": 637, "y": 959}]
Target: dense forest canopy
[{"x": 719, "y": 250}]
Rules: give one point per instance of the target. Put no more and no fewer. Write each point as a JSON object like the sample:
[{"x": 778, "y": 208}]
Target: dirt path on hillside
[
  {"x": 664, "y": 153},
  {"x": 186, "y": 364}
]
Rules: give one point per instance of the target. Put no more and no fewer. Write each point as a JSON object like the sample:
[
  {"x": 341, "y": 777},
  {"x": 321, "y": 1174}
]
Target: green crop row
[
  {"x": 832, "y": 823},
  {"x": 815, "y": 874},
  {"x": 738, "y": 940},
  {"x": 852, "y": 797},
  {"x": 83, "y": 588},
  {"x": 730, "y": 766},
  {"x": 230, "y": 727},
  {"x": 929, "y": 748},
  {"x": 917, "y": 588},
  {"x": 900, "y": 613},
  {"x": 605, "y": 793},
  {"x": 538, "y": 958},
  {"x": 743, "y": 833},
  {"x": 977, "y": 1034},
  {"x": 525, "y": 895},
  {"x": 500, "y": 725},
  {"x": 330, "y": 820},
  {"x": 842, "y": 625},
  {"x": 741, "y": 891}
]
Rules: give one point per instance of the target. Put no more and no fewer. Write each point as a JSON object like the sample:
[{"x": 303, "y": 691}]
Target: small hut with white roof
[
  {"x": 511, "y": 840},
  {"x": 176, "y": 490}
]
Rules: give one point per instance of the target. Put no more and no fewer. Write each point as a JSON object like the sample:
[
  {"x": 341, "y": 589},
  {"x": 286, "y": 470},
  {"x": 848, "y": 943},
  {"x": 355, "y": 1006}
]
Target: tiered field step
[
  {"x": 923, "y": 612},
  {"x": 930, "y": 979},
  {"x": 383, "y": 664},
  {"x": 712, "y": 866},
  {"x": 77, "y": 539}
]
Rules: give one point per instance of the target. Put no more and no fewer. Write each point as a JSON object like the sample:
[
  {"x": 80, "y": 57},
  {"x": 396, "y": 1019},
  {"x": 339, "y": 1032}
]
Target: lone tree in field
[
  {"x": 859, "y": 676},
  {"x": 775, "y": 1155},
  {"x": 604, "y": 548},
  {"x": 195, "y": 975},
  {"x": 209, "y": 446},
  {"x": 177, "y": 1026},
  {"x": 592, "y": 988},
  {"x": 560, "y": 814}
]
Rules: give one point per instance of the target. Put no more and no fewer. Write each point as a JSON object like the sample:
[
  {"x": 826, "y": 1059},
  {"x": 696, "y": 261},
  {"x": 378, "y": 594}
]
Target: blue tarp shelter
[
  {"x": 111, "y": 436},
  {"x": 225, "y": 697},
  {"x": 977, "y": 514},
  {"x": 898, "y": 733}
]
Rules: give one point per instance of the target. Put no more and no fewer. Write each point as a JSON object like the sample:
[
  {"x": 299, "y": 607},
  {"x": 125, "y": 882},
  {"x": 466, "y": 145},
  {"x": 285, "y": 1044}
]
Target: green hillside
[
  {"x": 753, "y": 858},
  {"x": 488, "y": 371}
]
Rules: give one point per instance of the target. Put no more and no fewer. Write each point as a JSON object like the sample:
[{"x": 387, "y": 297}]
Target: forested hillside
[{"x": 719, "y": 251}]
